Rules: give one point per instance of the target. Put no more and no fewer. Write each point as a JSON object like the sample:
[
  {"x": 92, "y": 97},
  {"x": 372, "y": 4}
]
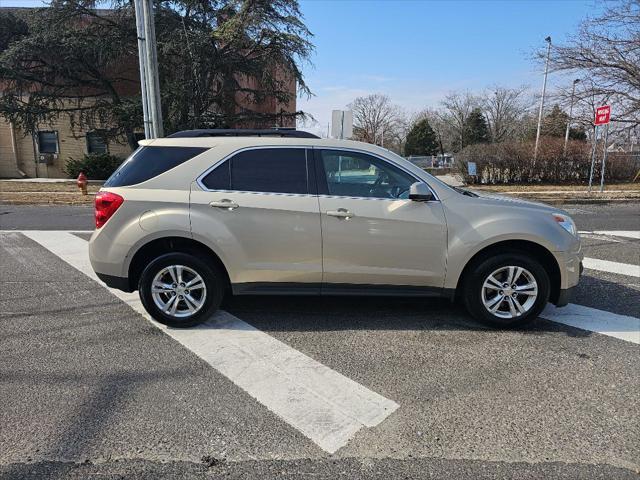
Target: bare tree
[
  {"x": 606, "y": 50},
  {"x": 398, "y": 136},
  {"x": 457, "y": 108},
  {"x": 588, "y": 96},
  {"x": 505, "y": 109},
  {"x": 377, "y": 120}
]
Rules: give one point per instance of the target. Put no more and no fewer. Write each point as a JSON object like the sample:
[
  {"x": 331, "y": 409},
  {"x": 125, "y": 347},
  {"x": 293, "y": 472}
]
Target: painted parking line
[
  {"x": 606, "y": 323},
  {"x": 324, "y": 405},
  {"x": 612, "y": 267}
]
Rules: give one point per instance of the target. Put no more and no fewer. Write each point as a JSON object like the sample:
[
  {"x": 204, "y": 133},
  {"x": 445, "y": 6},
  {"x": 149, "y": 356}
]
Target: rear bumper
[{"x": 119, "y": 283}]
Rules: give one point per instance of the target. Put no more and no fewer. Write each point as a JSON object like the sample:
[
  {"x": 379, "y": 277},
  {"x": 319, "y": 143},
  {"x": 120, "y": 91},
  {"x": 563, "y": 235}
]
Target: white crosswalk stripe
[
  {"x": 612, "y": 267},
  {"x": 635, "y": 234},
  {"x": 606, "y": 323},
  {"x": 324, "y": 405}
]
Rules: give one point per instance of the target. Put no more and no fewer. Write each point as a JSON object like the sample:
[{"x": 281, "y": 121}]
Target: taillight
[{"x": 106, "y": 204}]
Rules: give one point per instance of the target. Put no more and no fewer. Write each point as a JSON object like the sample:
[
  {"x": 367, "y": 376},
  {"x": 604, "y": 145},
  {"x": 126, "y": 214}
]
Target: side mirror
[{"x": 419, "y": 192}]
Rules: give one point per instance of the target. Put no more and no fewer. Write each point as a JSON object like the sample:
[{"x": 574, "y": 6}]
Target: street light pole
[
  {"x": 544, "y": 90},
  {"x": 566, "y": 135}
]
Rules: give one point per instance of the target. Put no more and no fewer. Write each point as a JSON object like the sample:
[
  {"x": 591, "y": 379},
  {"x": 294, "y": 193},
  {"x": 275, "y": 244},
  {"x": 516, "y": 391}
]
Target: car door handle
[
  {"x": 224, "y": 203},
  {"x": 342, "y": 213}
]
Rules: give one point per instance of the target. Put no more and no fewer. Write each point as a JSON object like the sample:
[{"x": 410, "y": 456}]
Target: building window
[
  {"x": 48, "y": 142},
  {"x": 96, "y": 143}
]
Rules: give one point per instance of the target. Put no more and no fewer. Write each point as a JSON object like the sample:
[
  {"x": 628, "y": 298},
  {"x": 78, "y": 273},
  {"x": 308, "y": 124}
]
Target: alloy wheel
[
  {"x": 178, "y": 291},
  {"x": 509, "y": 292}
]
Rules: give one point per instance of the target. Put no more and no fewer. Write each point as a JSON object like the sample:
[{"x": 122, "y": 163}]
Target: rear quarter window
[{"x": 148, "y": 162}]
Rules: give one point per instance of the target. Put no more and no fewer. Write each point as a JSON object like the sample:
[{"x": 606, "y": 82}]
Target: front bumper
[{"x": 566, "y": 294}]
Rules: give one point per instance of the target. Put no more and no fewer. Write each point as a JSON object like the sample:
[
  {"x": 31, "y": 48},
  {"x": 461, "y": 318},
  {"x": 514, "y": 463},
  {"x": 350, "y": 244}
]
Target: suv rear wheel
[
  {"x": 180, "y": 290},
  {"x": 507, "y": 290}
]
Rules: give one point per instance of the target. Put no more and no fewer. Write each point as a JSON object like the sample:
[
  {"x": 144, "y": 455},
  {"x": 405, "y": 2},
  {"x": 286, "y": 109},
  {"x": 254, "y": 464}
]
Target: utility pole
[
  {"x": 148, "y": 61},
  {"x": 566, "y": 135},
  {"x": 544, "y": 91},
  {"x": 141, "y": 62}
]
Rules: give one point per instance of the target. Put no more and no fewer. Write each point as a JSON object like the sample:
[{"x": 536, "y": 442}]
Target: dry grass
[
  {"x": 571, "y": 187},
  {"x": 37, "y": 193},
  {"x": 23, "y": 187},
  {"x": 48, "y": 198}
]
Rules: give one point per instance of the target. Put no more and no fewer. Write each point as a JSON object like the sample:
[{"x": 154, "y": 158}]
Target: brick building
[{"x": 45, "y": 153}]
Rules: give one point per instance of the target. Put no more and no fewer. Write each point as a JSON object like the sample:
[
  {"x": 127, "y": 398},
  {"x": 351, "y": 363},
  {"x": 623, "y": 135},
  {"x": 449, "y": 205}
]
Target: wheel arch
[
  {"x": 171, "y": 244},
  {"x": 526, "y": 247}
]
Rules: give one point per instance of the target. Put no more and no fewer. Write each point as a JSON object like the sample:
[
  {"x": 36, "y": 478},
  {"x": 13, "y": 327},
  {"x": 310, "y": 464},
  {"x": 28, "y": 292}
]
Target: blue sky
[{"x": 418, "y": 51}]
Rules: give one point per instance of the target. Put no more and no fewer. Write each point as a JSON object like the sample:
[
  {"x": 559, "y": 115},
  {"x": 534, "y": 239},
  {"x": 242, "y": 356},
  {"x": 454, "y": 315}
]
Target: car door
[
  {"x": 260, "y": 209},
  {"x": 372, "y": 234}
]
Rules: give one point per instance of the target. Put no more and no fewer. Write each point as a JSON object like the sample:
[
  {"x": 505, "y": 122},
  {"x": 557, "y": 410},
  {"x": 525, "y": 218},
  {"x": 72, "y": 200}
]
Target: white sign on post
[
  {"x": 471, "y": 169},
  {"x": 341, "y": 124}
]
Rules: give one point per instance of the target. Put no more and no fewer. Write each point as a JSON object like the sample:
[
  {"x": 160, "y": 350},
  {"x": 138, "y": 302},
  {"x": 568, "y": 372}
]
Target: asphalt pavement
[
  {"x": 89, "y": 387},
  {"x": 46, "y": 217}
]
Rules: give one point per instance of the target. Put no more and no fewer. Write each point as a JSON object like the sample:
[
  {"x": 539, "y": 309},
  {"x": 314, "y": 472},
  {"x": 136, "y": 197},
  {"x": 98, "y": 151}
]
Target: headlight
[{"x": 566, "y": 222}]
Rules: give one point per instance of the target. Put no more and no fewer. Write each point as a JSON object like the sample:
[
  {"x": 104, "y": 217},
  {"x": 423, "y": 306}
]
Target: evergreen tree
[
  {"x": 577, "y": 133},
  {"x": 219, "y": 61},
  {"x": 554, "y": 124},
  {"x": 12, "y": 29},
  {"x": 476, "y": 129},
  {"x": 421, "y": 139}
]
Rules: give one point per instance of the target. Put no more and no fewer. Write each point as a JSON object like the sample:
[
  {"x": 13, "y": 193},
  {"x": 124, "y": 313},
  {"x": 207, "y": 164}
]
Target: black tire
[
  {"x": 213, "y": 279},
  {"x": 480, "y": 271}
]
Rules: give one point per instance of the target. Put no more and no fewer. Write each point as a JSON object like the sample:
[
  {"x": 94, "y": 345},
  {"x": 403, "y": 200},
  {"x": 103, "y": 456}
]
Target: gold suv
[{"x": 188, "y": 218}]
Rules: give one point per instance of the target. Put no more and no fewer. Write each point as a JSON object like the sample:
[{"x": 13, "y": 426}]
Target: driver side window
[{"x": 350, "y": 174}]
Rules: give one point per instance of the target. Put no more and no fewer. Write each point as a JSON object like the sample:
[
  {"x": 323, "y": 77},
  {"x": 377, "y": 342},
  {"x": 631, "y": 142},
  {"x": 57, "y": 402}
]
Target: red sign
[{"x": 603, "y": 115}]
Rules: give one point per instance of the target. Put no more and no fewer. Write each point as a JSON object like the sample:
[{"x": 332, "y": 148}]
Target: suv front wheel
[
  {"x": 506, "y": 290},
  {"x": 180, "y": 290}
]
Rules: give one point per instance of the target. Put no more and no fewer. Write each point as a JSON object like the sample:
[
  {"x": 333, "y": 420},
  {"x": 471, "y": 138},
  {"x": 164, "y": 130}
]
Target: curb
[{"x": 582, "y": 201}]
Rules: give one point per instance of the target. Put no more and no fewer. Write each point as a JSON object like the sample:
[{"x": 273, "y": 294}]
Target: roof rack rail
[{"x": 243, "y": 132}]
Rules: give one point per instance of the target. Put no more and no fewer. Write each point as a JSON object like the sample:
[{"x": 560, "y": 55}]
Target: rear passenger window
[
  {"x": 272, "y": 170},
  {"x": 149, "y": 162}
]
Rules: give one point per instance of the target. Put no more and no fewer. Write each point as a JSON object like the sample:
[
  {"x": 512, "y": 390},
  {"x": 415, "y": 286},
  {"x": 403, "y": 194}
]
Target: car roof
[{"x": 244, "y": 142}]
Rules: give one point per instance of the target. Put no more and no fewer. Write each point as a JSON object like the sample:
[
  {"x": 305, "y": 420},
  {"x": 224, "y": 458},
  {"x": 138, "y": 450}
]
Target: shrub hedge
[
  {"x": 96, "y": 166},
  {"x": 512, "y": 162}
]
